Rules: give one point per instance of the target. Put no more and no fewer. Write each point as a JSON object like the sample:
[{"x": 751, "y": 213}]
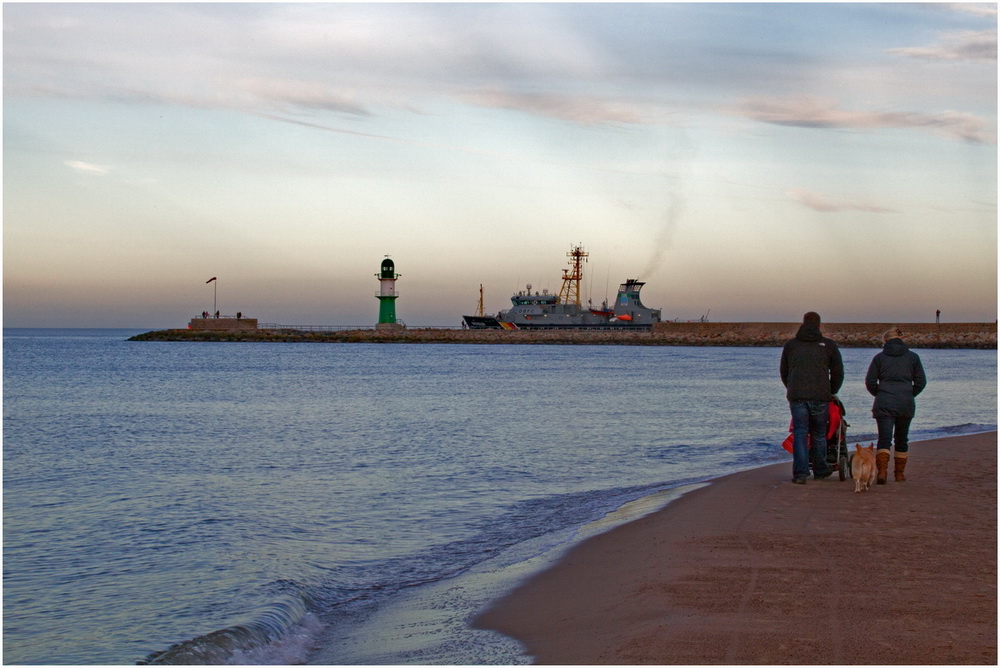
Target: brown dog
[{"x": 863, "y": 467}]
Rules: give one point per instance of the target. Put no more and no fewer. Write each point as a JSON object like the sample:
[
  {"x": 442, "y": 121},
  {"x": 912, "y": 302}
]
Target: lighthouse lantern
[{"x": 387, "y": 296}]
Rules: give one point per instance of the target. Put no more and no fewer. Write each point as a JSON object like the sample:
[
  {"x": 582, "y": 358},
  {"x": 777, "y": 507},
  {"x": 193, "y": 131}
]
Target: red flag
[{"x": 211, "y": 279}]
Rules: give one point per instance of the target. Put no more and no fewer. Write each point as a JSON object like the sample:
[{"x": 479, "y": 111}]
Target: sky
[{"x": 749, "y": 162}]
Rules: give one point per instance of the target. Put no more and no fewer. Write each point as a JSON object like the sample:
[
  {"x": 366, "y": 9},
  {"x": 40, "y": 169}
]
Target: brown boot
[
  {"x": 882, "y": 464},
  {"x": 900, "y": 462}
]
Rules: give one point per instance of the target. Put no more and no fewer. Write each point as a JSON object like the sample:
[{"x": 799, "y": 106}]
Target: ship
[{"x": 544, "y": 310}]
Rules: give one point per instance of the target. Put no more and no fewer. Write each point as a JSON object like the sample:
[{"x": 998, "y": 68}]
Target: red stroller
[{"x": 836, "y": 440}]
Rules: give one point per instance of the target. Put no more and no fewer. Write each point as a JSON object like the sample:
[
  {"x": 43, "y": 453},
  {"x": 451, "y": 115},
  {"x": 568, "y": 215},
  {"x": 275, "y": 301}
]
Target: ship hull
[
  {"x": 581, "y": 321},
  {"x": 481, "y": 322}
]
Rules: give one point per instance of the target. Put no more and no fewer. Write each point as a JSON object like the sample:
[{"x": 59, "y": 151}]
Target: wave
[
  {"x": 967, "y": 428},
  {"x": 279, "y": 634},
  {"x": 284, "y": 631}
]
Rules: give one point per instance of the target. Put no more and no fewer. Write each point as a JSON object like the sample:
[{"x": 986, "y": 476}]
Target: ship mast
[
  {"x": 570, "y": 292},
  {"x": 480, "y": 310}
]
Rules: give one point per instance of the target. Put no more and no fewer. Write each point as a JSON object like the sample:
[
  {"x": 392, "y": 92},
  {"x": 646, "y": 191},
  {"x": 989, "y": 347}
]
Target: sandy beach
[{"x": 753, "y": 569}]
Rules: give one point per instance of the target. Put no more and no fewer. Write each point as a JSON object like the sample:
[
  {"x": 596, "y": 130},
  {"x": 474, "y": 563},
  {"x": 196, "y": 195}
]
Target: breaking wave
[{"x": 279, "y": 634}]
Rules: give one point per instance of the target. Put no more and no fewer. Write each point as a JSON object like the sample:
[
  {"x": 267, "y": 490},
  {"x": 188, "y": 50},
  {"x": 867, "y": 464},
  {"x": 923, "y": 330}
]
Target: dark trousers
[
  {"x": 810, "y": 420},
  {"x": 894, "y": 427}
]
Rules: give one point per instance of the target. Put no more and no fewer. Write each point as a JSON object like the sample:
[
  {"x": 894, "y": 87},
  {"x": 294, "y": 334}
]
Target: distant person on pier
[
  {"x": 937, "y": 317},
  {"x": 895, "y": 377},
  {"x": 812, "y": 372}
]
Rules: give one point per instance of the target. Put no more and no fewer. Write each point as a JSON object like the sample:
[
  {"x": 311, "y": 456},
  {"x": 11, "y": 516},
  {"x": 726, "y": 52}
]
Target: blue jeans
[
  {"x": 886, "y": 427},
  {"x": 809, "y": 419}
]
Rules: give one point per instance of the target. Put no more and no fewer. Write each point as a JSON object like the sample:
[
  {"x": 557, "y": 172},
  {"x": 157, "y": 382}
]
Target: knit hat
[
  {"x": 811, "y": 318},
  {"x": 892, "y": 333}
]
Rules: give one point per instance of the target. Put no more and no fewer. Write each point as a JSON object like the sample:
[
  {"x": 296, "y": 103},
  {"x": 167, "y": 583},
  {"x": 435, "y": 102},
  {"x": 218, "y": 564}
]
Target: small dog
[{"x": 863, "y": 467}]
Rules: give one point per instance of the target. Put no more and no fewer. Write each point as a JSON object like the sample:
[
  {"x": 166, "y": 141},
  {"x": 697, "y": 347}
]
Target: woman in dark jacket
[{"x": 894, "y": 378}]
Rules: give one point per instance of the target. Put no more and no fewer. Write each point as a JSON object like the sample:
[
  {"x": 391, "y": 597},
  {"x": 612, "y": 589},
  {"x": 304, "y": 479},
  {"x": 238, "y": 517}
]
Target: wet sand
[{"x": 753, "y": 569}]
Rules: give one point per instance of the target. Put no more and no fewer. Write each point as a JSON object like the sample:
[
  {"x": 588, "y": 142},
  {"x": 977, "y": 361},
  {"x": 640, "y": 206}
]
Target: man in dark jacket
[
  {"x": 895, "y": 377},
  {"x": 812, "y": 371}
]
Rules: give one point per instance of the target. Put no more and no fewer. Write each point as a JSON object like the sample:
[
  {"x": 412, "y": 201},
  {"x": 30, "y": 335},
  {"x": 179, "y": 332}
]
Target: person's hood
[
  {"x": 894, "y": 347},
  {"x": 809, "y": 332}
]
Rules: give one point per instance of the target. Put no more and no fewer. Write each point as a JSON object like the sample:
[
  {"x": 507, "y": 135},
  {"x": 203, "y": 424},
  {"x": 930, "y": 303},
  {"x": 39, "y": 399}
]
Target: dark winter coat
[
  {"x": 894, "y": 378},
  {"x": 811, "y": 366}
]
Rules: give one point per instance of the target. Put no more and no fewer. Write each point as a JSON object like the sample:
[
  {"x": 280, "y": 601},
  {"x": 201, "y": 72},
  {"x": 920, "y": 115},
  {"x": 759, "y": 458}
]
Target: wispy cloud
[
  {"x": 581, "y": 109},
  {"x": 587, "y": 67},
  {"x": 340, "y": 57},
  {"x": 446, "y": 147},
  {"x": 87, "y": 167},
  {"x": 977, "y": 8},
  {"x": 300, "y": 94},
  {"x": 974, "y": 45},
  {"x": 250, "y": 94},
  {"x": 823, "y": 203},
  {"x": 810, "y": 112}
]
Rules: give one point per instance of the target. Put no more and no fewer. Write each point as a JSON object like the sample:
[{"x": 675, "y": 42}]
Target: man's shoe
[
  {"x": 823, "y": 476},
  {"x": 799, "y": 481}
]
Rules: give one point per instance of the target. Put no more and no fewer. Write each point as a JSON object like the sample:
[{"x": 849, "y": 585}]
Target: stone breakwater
[{"x": 848, "y": 335}]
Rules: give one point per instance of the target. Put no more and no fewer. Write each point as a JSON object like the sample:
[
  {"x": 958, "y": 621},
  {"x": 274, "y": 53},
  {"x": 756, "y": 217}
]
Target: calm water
[{"x": 355, "y": 503}]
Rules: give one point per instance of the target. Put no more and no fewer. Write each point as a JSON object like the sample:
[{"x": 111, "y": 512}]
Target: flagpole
[{"x": 215, "y": 294}]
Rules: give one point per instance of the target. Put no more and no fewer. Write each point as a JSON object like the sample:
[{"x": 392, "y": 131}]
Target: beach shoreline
[{"x": 752, "y": 569}]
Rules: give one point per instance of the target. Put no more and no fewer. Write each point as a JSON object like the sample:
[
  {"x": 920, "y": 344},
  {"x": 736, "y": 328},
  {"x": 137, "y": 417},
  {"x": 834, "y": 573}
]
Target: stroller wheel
[{"x": 842, "y": 467}]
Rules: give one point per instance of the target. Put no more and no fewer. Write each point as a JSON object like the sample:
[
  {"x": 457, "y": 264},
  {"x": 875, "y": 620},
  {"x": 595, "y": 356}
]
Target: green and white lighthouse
[{"x": 387, "y": 296}]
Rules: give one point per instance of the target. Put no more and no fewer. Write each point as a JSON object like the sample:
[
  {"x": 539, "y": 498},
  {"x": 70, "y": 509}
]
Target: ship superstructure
[{"x": 542, "y": 310}]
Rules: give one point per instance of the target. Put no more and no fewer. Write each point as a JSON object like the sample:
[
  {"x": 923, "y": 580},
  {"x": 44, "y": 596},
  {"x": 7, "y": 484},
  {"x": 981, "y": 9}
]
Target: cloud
[
  {"x": 361, "y": 58},
  {"x": 810, "y": 112},
  {"x": 332, "y": 54},
  {"x": 978, "y": 46},
  {"x": 580, "y": 109},
  {"x": 87, "y": 168},
  {"x": 299, "y": 94},
  {"x": 977, "y": 8},
  {"x": 819, "y": 202}
]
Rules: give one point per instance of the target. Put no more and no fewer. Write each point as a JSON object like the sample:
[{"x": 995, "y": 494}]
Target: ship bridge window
[{"x": 533, "y": 300}]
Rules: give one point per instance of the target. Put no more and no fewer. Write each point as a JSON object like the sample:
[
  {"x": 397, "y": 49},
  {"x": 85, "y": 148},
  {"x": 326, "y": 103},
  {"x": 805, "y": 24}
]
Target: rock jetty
[{"x": 848, "y": 335}]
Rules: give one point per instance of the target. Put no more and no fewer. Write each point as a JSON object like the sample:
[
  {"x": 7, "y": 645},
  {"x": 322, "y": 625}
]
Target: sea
[{"x": 322, "y": 503}]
